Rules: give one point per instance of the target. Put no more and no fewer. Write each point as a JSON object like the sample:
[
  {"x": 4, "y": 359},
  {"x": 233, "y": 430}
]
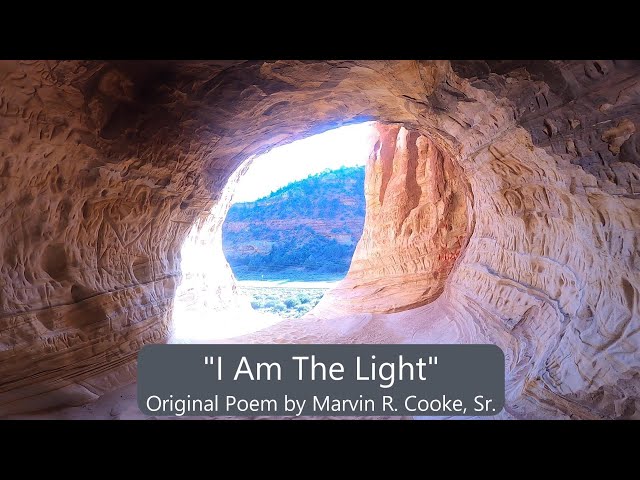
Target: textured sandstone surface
[
  {"x": 511, "y": 193},
  {"x": 416, "y": 224}
]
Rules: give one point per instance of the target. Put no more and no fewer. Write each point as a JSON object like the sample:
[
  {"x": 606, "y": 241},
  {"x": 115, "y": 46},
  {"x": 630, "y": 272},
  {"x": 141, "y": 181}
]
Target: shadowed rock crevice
[{"x": 502, "y": 206}]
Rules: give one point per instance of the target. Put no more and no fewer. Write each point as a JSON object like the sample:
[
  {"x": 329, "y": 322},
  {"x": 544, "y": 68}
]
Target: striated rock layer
[
  {"x": 508, "y": 190},
  {"x": 416, "y": 225}
]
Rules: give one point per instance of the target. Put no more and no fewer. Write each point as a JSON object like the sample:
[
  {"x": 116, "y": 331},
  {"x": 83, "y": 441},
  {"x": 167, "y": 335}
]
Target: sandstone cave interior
[{"x": 502, "y": 206}]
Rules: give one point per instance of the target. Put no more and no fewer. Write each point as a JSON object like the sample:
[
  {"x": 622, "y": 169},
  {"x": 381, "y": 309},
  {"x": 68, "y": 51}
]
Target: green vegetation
[
  {"x": 285, "y": 302},
  {"x": 306, "y": 230}
]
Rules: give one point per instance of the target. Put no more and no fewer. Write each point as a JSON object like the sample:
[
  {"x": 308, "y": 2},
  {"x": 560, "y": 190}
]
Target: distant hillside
[{"x": 305, "y": 230}]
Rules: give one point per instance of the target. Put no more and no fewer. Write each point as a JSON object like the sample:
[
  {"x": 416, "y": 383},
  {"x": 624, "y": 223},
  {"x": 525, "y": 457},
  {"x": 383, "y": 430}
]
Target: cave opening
[
  {"x": 293, "y": 219},
  {"x": 239, "y": 277},
  {"x": 297, "y": 214}
]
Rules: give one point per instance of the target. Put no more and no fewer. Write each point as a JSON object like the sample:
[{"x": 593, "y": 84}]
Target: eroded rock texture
[
  {"x": 417, "y": 222},
  {"x": 106, "y": 166}
]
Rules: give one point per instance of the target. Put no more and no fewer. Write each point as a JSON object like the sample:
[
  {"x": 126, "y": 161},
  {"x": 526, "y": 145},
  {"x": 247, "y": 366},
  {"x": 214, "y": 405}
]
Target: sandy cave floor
[{"x": 320, "y": 326}]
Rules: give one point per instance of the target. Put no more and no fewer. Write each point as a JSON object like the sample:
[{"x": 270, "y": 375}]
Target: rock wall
[
  {"x": 106, "y": 166},
  {"x": 418, "y": 220},
  {"x": 547, "y": 275}
]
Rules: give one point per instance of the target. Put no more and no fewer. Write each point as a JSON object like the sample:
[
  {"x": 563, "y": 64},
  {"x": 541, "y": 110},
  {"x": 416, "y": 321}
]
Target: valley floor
[
  {"x": 287, "y": 299},
  {"x": 321, "y": 285}
]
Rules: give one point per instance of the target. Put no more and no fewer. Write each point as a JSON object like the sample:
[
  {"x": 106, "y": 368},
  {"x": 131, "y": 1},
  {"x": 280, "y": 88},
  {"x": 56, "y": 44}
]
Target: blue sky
[{"x": 344, "y": 146}]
